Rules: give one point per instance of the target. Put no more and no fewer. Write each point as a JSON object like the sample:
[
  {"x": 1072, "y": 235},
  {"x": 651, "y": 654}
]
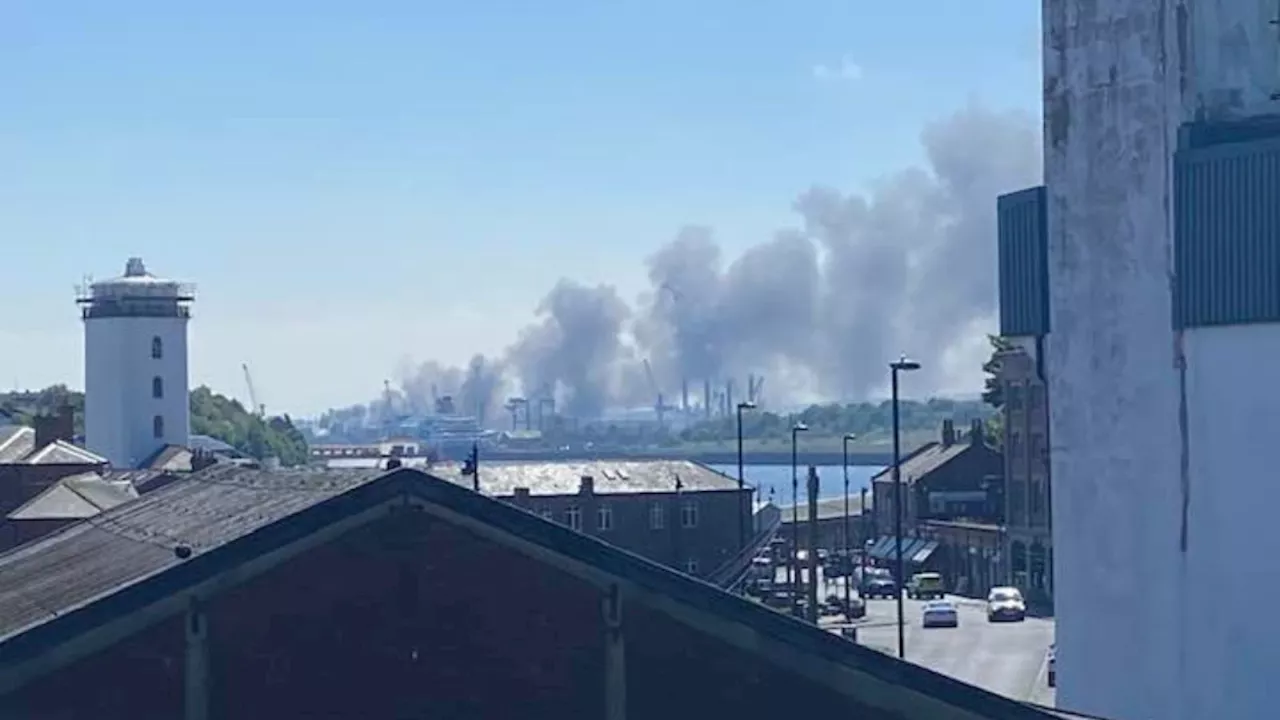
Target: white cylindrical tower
[{"x": 135, "y": 365}]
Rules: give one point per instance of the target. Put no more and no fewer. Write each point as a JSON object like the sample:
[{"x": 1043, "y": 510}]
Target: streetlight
[
  {"x": 848, "y": 556},
  {"x": 793, "y": 563},
  {"x": 742, "y": 521},
  {"x": 900, "y": 366}
]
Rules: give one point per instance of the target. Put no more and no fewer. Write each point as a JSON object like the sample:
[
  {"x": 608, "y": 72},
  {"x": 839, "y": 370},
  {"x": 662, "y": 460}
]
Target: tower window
[
  {"x": 157, "y": 348},
  {"x": 157, "y": 426},
  {"x": 157, "y": 387}
]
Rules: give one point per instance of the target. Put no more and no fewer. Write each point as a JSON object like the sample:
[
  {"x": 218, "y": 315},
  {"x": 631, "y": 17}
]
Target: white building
[
  {"x": 135, "y": 365},
  {"x": 1163, "y": 240}
]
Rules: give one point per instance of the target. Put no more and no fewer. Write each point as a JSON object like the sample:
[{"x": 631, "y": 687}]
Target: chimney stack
[
  {"x": 59, "y": 426},
  {"x": 706, "y": 398},
  {"x": 729, "y": 407},
  {"x": 948, "y": 432},
  {"x": 684, "y": 395},
  {"x": 977, "y": 432},
  {"x": 587, "y": 486}
]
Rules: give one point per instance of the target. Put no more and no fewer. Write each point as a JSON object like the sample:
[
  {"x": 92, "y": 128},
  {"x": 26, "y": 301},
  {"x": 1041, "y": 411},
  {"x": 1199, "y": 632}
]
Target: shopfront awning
[
  {"x": 882, "y": 548},
  {"x": 923, "y": 552}
]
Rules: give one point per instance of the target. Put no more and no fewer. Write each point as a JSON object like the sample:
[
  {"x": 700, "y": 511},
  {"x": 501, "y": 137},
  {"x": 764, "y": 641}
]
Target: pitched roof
[
  {"x": 828, "y": 508},
  {"x": 123, "y": 561},
  {"x": 609, "y": 476},
  {"x": 76, "y": 498},
  {"x": 924, "y": 460},
  {"x": 61, "y": 452},
  {"x": 16, "y": 441}
]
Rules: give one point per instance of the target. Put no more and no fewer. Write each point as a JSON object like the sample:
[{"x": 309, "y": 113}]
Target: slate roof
[
  {"x": 18, "y": 447},
  {"x": 609, "y": 477},
  {"x": 123, "y": 560},
  {"x": 828, "y": 508},
  {"x": 924, "y": 460},
  {"x": 76, "y": 498},
  {"x": 16, "y": 441}
]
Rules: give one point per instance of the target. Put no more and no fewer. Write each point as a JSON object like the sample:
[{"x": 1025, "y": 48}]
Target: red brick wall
[
  {"x": 676, "y": 672},
  {"x": 333, "y": 634},
  {"x": 140, "y": 677}
]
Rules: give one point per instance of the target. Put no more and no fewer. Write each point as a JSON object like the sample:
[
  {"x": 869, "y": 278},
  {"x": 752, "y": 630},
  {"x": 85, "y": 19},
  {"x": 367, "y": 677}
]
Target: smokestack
[
  {"x": 684, "y": 395},
  {"x": 728, "y": 397},
  {"x": 751, "y": 387},
  {"x": 706, "y": 398}
]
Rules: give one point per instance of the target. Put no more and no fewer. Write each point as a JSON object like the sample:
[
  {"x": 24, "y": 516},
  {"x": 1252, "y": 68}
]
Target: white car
[
  {"x": 941, "y": 613},
  {"x": 1006, "y": 604}
]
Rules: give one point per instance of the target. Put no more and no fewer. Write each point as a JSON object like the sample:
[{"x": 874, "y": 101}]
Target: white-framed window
[
  {"x": 691, "y": 566},
  {"x": 657, "y": 516},
  {"x": 604, "y": 518},
  {"x": 573, "y": 517},
  {"x": 689, "y": 514}
]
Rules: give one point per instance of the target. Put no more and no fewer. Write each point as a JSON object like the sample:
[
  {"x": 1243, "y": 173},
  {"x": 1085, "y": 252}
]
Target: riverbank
[{"x": 707, "y": 457}]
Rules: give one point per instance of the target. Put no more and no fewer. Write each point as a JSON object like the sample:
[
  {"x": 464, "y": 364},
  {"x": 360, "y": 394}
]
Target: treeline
[{"x": 212, "y": 414}]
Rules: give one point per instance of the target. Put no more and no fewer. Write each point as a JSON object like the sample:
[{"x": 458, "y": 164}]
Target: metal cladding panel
[
  {"x": 1023, "y": 238},
  {"x": 1227, "y": 234}
]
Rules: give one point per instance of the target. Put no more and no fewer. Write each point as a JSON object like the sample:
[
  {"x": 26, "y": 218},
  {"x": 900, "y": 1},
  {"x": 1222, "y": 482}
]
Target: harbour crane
[{"x": 257, "y": 408}]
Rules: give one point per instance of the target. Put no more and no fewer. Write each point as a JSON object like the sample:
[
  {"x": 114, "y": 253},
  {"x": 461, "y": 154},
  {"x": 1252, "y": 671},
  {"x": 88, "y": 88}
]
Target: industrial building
[
  {"x": 1162, "y": 202},
  {"x": 135, "y": 365},
  {"x": 364, "y": 594}
]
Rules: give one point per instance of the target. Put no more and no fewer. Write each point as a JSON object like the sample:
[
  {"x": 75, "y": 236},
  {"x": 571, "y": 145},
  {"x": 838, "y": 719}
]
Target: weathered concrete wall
[
  {"x": 1112, "y": 95},
  {"x": 1234, "y": 54},
  {"x": 1233, "y": 390}
]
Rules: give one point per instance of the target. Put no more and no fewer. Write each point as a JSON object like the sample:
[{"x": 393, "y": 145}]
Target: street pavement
[{"x": 1006, "y": 658}]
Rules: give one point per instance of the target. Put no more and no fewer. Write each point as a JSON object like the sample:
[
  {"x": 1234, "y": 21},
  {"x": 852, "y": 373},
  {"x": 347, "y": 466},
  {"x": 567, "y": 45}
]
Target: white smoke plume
[{"x": 909, "y": 266}]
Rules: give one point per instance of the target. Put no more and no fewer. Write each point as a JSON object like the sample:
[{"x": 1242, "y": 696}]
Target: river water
[{"x": 777, "y": 478}]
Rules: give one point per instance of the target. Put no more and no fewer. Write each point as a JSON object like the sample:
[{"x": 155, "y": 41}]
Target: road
[{"x": 1006, "y": 658}]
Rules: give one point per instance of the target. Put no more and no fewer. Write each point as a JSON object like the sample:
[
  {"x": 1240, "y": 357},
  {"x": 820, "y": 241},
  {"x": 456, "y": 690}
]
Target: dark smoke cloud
[{"x": 908, "y": 266}]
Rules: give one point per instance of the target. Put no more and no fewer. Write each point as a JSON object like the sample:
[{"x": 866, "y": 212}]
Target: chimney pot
[
  {"x": 977, "y": 432},
  {"x": 948, "y": 432}
]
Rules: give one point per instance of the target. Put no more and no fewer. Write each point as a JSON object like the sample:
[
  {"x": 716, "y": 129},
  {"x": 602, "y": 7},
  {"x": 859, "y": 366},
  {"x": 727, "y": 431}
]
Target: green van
[{"x": 925, "y": 586}]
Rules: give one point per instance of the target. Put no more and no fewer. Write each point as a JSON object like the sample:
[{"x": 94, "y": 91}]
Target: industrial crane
[
  {"x": 257, "y": 408},
  {"x": 660, "y": 406}
]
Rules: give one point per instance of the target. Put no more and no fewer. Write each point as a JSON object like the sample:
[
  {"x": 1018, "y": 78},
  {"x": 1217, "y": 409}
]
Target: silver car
[{"x": 941, "y": 613}]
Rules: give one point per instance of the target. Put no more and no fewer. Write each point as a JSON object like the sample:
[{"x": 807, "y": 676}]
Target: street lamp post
[
  {"x": 793, "y": 563},
  {"x": 742, "y": 482},
  {"x": 901, "y": 365},
  {"x": 848, "y": 555}
]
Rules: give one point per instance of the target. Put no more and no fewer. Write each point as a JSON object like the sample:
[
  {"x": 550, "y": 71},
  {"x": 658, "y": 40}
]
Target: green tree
[
  {"x": 227, "y": 420},
  {"x": 992, "y": 391}
]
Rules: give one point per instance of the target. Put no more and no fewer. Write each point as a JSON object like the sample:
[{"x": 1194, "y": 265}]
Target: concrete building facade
[
  {"x": 1162, "y": 173},
  {"x": 135, "y": 365}
]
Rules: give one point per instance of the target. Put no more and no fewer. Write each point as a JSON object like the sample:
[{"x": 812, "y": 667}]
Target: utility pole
[{"x": 813, "y": 545}]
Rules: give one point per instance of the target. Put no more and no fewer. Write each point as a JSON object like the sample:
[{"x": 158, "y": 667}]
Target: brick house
[
  {"x": 362, "y": 594},
  {"x": 952, "y": 478}
]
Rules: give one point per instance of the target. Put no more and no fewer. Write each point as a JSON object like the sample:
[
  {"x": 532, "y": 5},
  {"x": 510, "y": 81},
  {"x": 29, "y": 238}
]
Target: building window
[
  {"x": 689, "y": 514},
  {"x": 657, "y": 517},
  {"x": 157, "y": 348},
  {"x": 604, "y": 518},
  {"x": 573, "y": 518},
  {"x": 691, "y": 566},
  {"x": 157, "y": 426},
  {"x": 157, "y": 387}
]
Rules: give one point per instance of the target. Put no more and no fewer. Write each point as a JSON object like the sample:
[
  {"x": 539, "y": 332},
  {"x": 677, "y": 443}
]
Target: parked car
[
  {"x": 1005, "y": 604},
  {"x": 941, "y": 613},
  {"x": 925, "y": 586}
]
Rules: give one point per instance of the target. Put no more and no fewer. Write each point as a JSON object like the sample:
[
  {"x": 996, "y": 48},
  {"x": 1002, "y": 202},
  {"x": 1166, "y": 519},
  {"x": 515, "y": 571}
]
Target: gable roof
[
  {"x": 926, "y": 459},
  {"x": 609, "y": 477},
  {"x": 76, "y": 498},
  {"x": 123, "y": 560},
  {"x": 16, "y": 441}
]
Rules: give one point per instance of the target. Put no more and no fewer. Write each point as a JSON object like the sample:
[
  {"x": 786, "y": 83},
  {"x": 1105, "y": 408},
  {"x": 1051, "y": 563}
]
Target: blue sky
[{"x": 350, "y": 184}]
